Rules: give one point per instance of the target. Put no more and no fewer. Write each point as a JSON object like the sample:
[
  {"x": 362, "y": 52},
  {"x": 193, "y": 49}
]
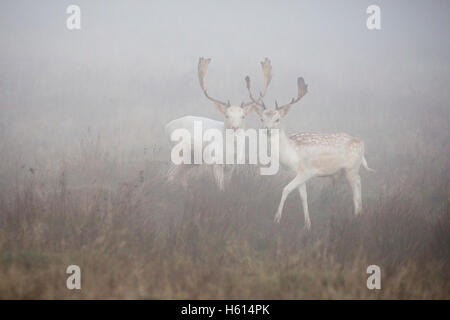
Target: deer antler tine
[
  {"x": 252, "y": 98},
  {"x": 302, "y": 86},
  {"x": 248, "y": 86},
  {"x": 267, "y": 70},
  {"x": 247, "y": 82}
]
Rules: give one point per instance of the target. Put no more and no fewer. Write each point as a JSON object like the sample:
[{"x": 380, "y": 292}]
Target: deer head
[
  {"x": 271, "y": 119},
  {"x": 234, "y": 115}
]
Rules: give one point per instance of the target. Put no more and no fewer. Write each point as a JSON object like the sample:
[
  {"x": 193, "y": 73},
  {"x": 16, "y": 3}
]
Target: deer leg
[
  {"x": 298, "y": 180},
  {"x": 304, "y": 199},
  {"x": 219, "y": 176},
  {"x": 355, "y": 183},
  {"x": 228, "y": 173}
]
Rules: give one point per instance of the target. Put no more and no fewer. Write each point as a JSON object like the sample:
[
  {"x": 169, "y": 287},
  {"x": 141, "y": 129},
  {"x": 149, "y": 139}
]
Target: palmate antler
[
  {"x": 202, "y": 68},
  {"x": 267, "y": 70},
  {"x": 302, "y": 90}
]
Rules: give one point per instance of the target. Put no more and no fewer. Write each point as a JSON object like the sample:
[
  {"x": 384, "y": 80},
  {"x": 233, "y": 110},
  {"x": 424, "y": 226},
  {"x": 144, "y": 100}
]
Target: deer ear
[{"x": 222, "y": 108}]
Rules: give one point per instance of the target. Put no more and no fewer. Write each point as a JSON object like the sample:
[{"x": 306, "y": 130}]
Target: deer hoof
[{"x": 307, "y": 226}]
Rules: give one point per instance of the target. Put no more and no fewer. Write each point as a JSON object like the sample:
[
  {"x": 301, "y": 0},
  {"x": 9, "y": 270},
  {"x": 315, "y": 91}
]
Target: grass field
[{"x": 134, "y": 236}]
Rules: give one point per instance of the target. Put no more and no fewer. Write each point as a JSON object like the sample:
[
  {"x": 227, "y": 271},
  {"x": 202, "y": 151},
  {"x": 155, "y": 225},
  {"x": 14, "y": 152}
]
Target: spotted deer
[
  {"x": 234, "y": 120},
  {"x": 311, "y": 155}
]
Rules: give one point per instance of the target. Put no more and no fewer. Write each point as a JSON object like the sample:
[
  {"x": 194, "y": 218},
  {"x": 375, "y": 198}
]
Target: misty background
[
  {"x": 84, "y": 159},
  {"x": 133, "y": 67},
  {"x": 139, "y": 58}
]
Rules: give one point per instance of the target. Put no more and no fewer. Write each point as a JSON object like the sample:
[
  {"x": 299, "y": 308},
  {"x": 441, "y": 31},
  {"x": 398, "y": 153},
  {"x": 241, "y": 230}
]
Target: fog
[
  {"x": 84, "y": 159},
  {"x": 133, "y": 67},
  {"x": 140, "y": 58}
]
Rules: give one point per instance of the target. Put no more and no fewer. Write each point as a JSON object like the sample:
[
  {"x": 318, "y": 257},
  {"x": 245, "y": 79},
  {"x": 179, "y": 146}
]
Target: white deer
[
  {"x": 312, "y": 154},
  {"x": 234, "y": 119}
]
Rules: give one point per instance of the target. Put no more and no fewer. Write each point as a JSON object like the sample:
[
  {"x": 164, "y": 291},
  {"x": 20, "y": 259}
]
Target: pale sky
[{"x": 135, "y": 53}]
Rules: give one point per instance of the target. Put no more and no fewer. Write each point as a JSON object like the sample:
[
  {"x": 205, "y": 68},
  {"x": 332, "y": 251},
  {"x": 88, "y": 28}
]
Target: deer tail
[{"x": 366, "y": 166}]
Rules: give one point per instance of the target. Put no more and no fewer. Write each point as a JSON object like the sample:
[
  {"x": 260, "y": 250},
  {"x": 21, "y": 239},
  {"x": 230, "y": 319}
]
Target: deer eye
[
  {"x": 278, "y": 120},
  {"x": 261, "y": 120}
]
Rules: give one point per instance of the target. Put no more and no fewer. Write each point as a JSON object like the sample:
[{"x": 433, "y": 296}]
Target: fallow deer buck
[
  {"x": 234, "y": 119},
  {"x": 312, "y": 154}
]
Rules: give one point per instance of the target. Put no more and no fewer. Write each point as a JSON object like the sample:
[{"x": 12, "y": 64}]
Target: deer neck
[
  {"x": 288, "y": 155},
  {"x": 284, "y": 139}
]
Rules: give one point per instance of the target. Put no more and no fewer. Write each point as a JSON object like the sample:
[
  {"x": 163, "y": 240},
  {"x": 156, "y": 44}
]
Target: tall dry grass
[{"x": 111, "y": 212}]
